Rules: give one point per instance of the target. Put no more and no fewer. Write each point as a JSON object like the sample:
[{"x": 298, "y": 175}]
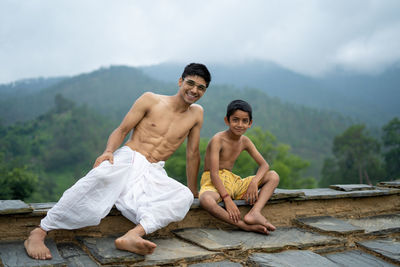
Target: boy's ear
[
  {"x": 250, "y": 123},
  {"x": 226, "y": 121}
]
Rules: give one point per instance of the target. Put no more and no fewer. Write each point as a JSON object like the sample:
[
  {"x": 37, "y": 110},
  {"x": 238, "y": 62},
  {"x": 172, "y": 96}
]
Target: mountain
[
  {"x": 112, "y": 91},
  {"x": 27, "y": 86},
  {"x": 367, "y": 98}
]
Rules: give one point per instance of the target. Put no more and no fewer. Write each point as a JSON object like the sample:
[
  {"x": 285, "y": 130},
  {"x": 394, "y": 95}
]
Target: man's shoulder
[
  {"x": 196, "y": 108},
  {"x": 149, "y": 98}
]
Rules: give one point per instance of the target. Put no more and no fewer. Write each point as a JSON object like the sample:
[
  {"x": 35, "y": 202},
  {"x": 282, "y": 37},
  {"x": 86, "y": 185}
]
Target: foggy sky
[{"x": 54, "y": 38}]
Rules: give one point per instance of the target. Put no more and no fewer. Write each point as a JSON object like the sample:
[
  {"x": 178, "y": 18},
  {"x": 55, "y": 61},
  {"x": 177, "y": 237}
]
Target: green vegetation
[
  {"x": 51, "y": 152},
  {"x": 358, "y": 159},
  {"x": 391, "y": 142},
  {"x": 50, "y": 137}
]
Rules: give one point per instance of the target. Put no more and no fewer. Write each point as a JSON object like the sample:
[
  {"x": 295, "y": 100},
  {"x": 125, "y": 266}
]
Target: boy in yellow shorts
[{"x": 218, "y": 183}]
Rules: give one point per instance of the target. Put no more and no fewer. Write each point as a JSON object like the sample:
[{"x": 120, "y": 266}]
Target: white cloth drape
[{"x": 141, "y": 190}]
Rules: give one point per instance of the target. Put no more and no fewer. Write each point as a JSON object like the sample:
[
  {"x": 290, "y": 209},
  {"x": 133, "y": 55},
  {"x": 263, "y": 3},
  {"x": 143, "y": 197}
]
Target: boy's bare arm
[
  {"x": 132, "y": 118},
  {"x": 258, "y": 158},
  {"x": 251, "y": 194},
  {"x": 215, "y": 149},
  {"x": 193, "y": 155}
]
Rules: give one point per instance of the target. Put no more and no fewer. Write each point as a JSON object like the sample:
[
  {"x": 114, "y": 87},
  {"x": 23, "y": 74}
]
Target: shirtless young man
[
  {"x": 132, "y": 177},
  {"x": 218, "y": 183}
]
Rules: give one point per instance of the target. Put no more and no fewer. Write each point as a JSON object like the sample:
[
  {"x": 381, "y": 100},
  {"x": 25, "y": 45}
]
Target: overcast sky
[{"x": 52, "y": 38}]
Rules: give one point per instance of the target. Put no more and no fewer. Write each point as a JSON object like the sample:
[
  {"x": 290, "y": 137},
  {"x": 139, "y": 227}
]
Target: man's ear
[
  {"x": 226, "y": 121},
  {"x": 180, "y": 81}
]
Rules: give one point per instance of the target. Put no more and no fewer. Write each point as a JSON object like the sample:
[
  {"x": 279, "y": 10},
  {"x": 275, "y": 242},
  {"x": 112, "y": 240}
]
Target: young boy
[{"x": 219, "y": 183}]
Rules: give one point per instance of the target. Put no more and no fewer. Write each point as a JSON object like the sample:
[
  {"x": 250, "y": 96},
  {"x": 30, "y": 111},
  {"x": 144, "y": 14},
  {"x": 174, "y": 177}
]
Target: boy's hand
[
  {"x": 105, "y": 156},
  {"x": 232, "y": 209},
  {"x": 251, "y": 195}
]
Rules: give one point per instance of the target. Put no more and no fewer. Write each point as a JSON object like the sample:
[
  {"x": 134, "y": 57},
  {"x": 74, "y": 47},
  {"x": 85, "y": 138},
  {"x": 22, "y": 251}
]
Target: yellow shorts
[{"x": 234, "y": 184}]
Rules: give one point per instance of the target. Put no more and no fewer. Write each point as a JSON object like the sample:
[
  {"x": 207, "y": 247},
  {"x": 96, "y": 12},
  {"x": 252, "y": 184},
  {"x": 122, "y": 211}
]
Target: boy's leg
[
  {"x": 208, "y": 200},
  {"x": 270, "y": 181},
  {"x": 132, "y": 241}
]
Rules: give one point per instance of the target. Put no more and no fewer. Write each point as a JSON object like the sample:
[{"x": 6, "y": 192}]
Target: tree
[
  {"x": 287, "y": 165},
  {"x": 391, "y": 142},
  {"x": 356, "y": 158},
  {"x": 16, "y": 183}
]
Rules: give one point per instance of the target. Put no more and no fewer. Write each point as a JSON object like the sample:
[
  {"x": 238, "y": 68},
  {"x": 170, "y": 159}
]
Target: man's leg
[
  {"x": 270, "y": 181},
  {"x": 132, "y": 241},
  {"x": 208, "y": 201},
  {"x": 35, "y": 246},
  {"x": 84, "y": 204}
]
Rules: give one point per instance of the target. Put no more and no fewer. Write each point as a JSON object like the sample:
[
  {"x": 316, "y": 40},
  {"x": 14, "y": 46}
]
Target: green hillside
[{"x": 111, "y": 92}]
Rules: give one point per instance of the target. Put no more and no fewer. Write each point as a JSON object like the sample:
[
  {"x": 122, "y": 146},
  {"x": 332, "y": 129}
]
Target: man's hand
[
  {"x": 232, "y": 209},
  {"x": 105, "y": 156},
  {"x": 251, "y": 195}
]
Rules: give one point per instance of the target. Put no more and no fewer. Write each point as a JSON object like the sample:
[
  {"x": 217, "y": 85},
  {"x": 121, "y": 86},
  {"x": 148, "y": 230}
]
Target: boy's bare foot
[
  {"x": 253, "y": 227},
  {"x": 256, "y": 218},
  {"x": 133, "y": 242},
  {"x": 35, "y": 246}
]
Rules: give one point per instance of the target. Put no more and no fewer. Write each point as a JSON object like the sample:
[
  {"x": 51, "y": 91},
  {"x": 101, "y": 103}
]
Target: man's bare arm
[
  {"x": 132, "y": 118},
  {"x": 193, "y": 155}
]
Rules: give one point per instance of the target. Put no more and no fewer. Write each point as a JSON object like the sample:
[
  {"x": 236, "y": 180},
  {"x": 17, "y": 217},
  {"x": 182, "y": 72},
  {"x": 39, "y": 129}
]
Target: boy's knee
[
  {"x": 206, "y": 200},
  {"x": 273, "y": 176}
]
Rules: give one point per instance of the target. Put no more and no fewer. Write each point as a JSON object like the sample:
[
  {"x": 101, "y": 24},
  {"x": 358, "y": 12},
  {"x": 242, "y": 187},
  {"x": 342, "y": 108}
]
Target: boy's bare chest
[{"x": 230, "y": 152}]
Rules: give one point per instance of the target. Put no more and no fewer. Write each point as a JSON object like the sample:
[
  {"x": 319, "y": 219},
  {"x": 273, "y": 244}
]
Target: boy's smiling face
[{"x": 238, "y": 122}]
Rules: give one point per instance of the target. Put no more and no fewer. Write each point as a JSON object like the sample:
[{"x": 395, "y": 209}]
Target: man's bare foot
[
  {"x": 133, "y": 242},
  {"x": 256, "y": 218},
  {"x": 35, "y": 246},
  {"x": 258, "y": 228}
]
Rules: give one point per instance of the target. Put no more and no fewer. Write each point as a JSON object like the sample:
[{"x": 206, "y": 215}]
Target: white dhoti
[{"x": 141, "y": 190}]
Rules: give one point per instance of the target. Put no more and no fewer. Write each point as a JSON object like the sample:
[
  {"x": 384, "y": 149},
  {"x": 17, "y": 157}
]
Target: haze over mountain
[{"x": 372, "y": 99}]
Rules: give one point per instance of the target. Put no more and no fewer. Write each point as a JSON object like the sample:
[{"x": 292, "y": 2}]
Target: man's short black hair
[
  {"x": 197, "y": 69},
  {"x": 241, "y": 105}
]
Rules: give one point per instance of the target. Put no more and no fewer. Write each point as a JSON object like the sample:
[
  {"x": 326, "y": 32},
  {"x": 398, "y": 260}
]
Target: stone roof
[{"x": 344, "y": 225}]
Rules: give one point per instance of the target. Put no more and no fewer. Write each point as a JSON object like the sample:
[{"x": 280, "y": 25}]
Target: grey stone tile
[
  {"x": 217, "y": 264},
  {"x": 104, "y": 251},
  {"x": 211, "y": 239},
  {"x": 357, "y": 258},
  {"x": 327, "y": 193},
  {"x": 381, "y": 224},
  {"x": 172, "y": 250},
  {"x": 329, "y": 224},
  {"x": 13, "y": 254},
  {"x": 42, "y": 207},
  {"x": 386, "y": 247},
  {"x": 279, "y": 239},
  {"x": 392, "y": 184},
  {"x": 290, "y": 258},
  {"x": 286, "y": 193},
  {"x": 75, "y": 256},
  {"x": 14, "y": 207},
  {"x": 351, "y": 187}
]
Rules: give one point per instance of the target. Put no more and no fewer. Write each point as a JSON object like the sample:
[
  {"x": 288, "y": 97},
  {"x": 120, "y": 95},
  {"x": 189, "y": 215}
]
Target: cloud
[{"x": 48, "y": 38}]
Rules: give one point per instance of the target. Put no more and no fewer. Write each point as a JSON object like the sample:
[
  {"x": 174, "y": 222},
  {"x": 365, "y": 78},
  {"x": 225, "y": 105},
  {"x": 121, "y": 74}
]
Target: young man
[
  {"x": 133, "y": 177},
  {"x": 218, "y": 183}
]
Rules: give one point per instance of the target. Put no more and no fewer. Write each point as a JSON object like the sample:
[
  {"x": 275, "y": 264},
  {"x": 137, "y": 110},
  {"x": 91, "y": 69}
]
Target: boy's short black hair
[
  {"x": 241, "y": 105},
  {"x": 197, "y": 69}
]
